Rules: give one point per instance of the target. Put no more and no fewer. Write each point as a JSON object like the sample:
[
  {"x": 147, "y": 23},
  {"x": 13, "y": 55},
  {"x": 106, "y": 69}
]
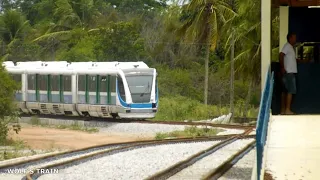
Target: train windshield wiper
[{"x": 146, "y": 90}]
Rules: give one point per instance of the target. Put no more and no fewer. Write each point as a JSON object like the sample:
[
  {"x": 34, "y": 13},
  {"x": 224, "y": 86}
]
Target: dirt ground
[{"x": 42, "y": 138}]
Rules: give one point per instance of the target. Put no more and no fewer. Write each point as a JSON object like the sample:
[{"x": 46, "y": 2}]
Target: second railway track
[
  {"x": 69, "y": 158},
  {"x": 93, "y": 120},
  {"x": 228, "y": 164},
  {"x": 199, "y": 164},
  {"x": 75, "y": 161},
  {"x": 128, "y": 149},
  {"x": 68, "y": 154}
]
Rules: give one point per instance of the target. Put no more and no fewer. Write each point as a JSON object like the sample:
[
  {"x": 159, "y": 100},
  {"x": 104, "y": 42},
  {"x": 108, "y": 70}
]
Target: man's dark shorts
[{"x": 289, "y": 82}]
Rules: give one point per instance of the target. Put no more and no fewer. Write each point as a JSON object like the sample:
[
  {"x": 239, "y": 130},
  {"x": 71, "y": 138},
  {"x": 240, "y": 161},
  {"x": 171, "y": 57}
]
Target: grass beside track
[
  {"x": 11, "y": 149},
  {"x": 189, "y": 132},
  {"x": 75, "y": 126},
  {"x": 182, "y": 108}
]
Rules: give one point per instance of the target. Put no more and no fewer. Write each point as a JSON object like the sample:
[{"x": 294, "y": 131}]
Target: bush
[
  {"x": 182, "y": 108},
  {"x": 192, "y": 131},
  {"x": 8, "y": 110}
]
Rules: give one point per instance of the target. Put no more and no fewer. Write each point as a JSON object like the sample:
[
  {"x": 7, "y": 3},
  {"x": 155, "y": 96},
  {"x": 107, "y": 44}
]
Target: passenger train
[{"x": 127, "y": 90}]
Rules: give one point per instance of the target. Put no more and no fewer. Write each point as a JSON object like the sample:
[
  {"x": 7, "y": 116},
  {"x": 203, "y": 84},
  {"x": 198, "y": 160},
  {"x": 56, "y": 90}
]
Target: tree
[
  {"x": 13, "y": 26},
  {"x": 8, "y": 108},
  {"x": 202, "y": 22},
  {"x": 247, "y": 27},
  {"x": 120, "y": 42}
]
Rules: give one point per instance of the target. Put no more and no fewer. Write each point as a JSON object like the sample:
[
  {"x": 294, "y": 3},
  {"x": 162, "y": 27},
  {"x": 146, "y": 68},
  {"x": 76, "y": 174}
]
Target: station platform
[{"x": 293, "y": 147}]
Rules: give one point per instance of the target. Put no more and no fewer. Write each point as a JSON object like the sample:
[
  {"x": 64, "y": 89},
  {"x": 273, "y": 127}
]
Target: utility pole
[{"x": 232, "y": 77}]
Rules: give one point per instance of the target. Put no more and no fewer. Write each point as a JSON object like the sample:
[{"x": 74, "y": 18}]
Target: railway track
[
  {"x": 81, "y": 155},
  {"x": 100, "y": 154},
  {"x": 97, "y": 148},
  {"x": 225, "y": 166},
  {"x": 68, "y": 158},
  {"x": 110, "y": 120},
  {"x": 170, "y": 172},
  {"x": 126, "y": 147}
]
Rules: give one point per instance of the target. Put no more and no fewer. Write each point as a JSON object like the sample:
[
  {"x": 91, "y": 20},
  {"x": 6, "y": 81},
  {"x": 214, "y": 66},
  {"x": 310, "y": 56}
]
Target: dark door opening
[{"x": 302, "y": 21}]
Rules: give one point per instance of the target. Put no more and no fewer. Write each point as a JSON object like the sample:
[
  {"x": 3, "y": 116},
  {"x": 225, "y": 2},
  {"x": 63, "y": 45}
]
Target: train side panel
[
  {"x": 97, "y": 95},
  {"x": 50, "y": 94}
]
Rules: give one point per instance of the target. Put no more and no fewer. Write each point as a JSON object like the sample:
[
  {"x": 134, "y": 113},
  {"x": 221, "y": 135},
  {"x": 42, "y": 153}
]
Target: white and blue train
[{"x": 128, "y": 90}]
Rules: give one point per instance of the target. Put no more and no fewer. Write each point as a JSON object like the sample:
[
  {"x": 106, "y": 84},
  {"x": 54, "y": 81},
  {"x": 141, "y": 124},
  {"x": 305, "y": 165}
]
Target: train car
[{"x": 98, "y": 89}]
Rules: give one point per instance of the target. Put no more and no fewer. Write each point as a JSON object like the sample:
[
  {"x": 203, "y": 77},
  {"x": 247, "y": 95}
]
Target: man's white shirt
[{"x": 290, "y": 61}]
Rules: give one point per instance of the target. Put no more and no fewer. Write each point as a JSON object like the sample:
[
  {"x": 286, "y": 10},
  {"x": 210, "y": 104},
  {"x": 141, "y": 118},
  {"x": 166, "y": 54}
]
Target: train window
[
  {"x": 140, "y": 88},
  {"x": 55, "y": 83},
  {"x": 92, "y": 83},
  {"x": 16, "y": 77},
  {"x": 113, "y": 83},
  {"x": 121, "y": 89},
  {"x": 42, "y": 82},
  {"x": 103, "y": 83},
  {"x": 82, "y": 82},
  {"x": 67, "y": 83},
  {"x": 31, "y": 82},
  {"x": 156, "y": 86}
]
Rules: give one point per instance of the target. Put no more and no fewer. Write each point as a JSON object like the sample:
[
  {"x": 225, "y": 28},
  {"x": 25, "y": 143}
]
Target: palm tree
[
  {"x": 202, "y": 25},
  {"x": 247, "y": 27},
  {"x": 12, "y": 28}
]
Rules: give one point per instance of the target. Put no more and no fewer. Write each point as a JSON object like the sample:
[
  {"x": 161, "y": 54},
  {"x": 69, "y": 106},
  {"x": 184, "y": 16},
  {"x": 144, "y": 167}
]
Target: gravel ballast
[
  {"x": 138, "y": 130},
  {"x": 150, "y": 130},
  {"x": 207, "y": 164},
  {"x": 7, "y": 175},
  {"x": 230, "y": 131},
  {"x": 136, "y": 164},
  {"x": 141, "y": 130},
  {"x": 242, "y": 170}
]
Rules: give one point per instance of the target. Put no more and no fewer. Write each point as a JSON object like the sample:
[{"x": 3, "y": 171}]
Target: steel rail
[
  {"x": 48, "y": 157},
  {"x": 224, "y": 167},
  {"x": 129, "y": 147},
  {"x": 93, "y": 119},
  {"x": 165, "y": 174}
]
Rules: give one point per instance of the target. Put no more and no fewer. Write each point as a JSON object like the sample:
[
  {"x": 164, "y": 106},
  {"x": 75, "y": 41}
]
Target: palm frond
[{"x": 51, "y": 35}]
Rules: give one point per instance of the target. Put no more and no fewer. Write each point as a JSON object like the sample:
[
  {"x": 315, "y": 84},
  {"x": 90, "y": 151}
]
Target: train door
[
  {"x": 66, "y": 89},
  {"x": 82, "y": 89},
  {"x": 103, "y": 84},
  {"x": 18, "y": 79},
  {"x": 92, "y": 89},
  {"x": 43, "y": 89},
  {"x": 32, "y": 95},
  {"x": 54, "y": 89}
]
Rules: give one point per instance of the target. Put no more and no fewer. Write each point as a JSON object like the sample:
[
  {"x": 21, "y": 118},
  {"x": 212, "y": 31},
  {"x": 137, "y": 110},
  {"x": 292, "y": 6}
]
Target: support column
[
  {"x": 284, "y": 25},
  {"x": 265, "y": 39}
]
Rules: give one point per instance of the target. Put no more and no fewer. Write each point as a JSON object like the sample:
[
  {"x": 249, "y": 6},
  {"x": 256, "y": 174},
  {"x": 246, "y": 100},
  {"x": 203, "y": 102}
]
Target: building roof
[
  {"x": 63, "y": 67},
  {"x": 296, "y": 3}
]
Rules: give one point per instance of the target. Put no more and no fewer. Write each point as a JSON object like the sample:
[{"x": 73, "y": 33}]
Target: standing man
[{"x": 288, "y": 68}]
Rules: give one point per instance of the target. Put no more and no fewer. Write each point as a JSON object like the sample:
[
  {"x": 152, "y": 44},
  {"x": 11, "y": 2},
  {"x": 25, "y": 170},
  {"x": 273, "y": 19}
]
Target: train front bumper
[{"x": 138, "y": 113}]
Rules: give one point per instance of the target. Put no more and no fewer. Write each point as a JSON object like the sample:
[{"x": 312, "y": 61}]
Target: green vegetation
[
  {"x": 188, "y": 44},
  {"x": 15, "y": 149},
  {"x": 18, "y": 148},
  {"x": 189, "y": 132},
  {"x": 7, "y": 106},
  {"x": 183, "y": 108},
  {"x": 74, "y": 126}
]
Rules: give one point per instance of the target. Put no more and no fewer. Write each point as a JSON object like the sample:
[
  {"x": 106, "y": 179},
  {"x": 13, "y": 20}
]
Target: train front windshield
[{"x": 140, "y": 88}]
